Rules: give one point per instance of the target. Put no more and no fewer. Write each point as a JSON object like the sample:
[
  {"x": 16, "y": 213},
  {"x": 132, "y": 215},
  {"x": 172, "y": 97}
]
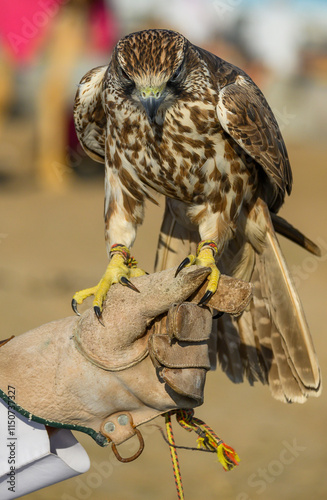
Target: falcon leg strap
[
  {"x": 120, "y": 249},
  {"x": 207, "y": 244},
  {"x": 207, "y": 441}
]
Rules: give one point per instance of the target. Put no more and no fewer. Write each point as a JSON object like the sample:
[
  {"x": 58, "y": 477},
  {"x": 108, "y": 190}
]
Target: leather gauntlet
[{"x": 151, "y": 356}]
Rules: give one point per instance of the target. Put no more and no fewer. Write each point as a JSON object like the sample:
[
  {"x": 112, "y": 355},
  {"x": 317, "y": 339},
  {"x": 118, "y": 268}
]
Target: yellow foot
[
  {"x": 205, "y": 256},
  {"x": 121, "y": 267}
]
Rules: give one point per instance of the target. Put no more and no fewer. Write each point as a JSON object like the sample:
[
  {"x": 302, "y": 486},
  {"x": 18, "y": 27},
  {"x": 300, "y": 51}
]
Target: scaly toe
[
  {"x": 206, "y": 252},
  {"x": 213, "y": 279},
  {"x": 120, "y": 268},
  {"x": 80, "y": 296}
]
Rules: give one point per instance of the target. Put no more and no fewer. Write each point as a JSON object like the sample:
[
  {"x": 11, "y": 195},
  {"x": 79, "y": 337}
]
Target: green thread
[{"x": 99, "y": 438}]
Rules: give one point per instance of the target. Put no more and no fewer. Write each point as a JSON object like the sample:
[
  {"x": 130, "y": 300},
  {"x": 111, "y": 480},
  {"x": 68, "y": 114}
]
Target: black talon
[
  {"x": 74, "y": 307},
  {"x": 124, "y": 281},
  {"x": 98, "y": 314},
  {"x": 182, "y": 265},
  {"x": 218, "y": 315},
  {"x": 206, "y": 297}
]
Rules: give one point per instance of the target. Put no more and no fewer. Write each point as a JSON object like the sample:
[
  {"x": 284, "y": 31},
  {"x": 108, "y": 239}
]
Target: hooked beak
[{"x": 151, "y": 98}]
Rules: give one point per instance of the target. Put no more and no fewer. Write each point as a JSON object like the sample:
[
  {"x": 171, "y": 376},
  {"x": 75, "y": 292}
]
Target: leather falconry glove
[{"x": 150, "y": 356}]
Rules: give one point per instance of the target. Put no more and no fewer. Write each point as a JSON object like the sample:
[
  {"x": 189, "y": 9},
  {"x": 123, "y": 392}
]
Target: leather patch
[
  {"x": 189, "y": 322},
  {"x": 177, "y": 354},
  {"x": 186, "y": 382},
  {"x": 232, "y": 295},
  {"x": 118, "y": 427}
]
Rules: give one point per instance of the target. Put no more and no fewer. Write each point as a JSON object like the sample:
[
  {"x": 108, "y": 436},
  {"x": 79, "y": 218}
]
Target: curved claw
[
  {"x": 98, "y": 314},
  {"x": 206, "y": 297},
  {"x": 124, "y": 281},
  {"x": 74, "y": 307},
  {"x": 183, "y": 264}
]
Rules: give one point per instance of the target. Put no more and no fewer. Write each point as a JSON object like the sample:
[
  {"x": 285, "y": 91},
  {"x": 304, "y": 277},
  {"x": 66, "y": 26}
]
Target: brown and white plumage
[
  {"x": 167, "y": 116},
  {"x": 90, "y": 120}
]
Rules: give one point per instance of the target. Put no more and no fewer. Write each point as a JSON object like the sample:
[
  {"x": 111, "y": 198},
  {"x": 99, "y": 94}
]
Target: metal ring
[{"x": 133, "y": 457}]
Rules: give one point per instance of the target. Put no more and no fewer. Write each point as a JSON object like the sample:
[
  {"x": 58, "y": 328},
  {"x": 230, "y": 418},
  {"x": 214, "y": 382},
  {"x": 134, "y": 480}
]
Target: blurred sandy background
[{"x": 51, "y": 228}]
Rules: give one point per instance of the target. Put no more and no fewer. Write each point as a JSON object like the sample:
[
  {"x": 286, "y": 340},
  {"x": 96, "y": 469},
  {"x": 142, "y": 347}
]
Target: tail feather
[
  {"x": 253, "y": 363},
  {"x": 275, "y": 384},
  {"x": 284, "y": 228},
  {"x": 287, "y": 313},
  {"x": 228, "y": 349},
  {"x": 290, "y": 386},
  {"x": 270, "y": 341}
]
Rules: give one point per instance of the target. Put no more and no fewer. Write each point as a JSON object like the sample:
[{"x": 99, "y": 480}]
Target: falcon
[{"x": 169, "y": 117}]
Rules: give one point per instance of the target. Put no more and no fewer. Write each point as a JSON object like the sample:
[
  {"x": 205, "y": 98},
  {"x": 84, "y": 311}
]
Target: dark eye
[{"x": 176, "y": 74}]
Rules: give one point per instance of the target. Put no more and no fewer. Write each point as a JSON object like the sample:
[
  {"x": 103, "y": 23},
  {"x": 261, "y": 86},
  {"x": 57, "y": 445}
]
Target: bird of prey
[{"x": 167, "y": 116}]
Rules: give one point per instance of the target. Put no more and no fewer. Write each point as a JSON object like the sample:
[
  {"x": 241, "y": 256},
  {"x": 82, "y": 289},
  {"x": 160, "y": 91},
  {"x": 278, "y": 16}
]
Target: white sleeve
[{"x": 30, "y": 459}]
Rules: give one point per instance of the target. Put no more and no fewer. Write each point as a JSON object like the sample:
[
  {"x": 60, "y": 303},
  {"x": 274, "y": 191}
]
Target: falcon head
[{"x": 149, "y": 67}]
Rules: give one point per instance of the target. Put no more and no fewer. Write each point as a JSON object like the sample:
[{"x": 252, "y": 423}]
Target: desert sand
[{"x": 52, "y": 245}]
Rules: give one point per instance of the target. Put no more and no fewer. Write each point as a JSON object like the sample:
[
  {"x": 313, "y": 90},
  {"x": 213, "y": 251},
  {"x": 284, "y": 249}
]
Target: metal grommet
[
  {"x": 123, "y": 419},
  {"x": 137, "y": 454},
  {"x": 109, "y": 427}
]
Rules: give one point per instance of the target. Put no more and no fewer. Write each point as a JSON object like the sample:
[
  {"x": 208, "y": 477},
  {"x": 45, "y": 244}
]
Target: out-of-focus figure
[{"x": 51, "y": 37}]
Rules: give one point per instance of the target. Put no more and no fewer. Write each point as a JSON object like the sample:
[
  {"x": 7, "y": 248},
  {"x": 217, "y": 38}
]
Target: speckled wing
[
  {"x": 246, "y": 116},
  {"x": 270, "y": 342},
  {"x": 89, "y": 115}
]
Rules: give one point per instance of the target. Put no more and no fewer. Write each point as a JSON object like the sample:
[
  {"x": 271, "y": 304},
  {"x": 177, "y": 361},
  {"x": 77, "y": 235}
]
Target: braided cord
[
  {"x": 208, "y": 439},
  {"x": 174, "y": 456}
]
